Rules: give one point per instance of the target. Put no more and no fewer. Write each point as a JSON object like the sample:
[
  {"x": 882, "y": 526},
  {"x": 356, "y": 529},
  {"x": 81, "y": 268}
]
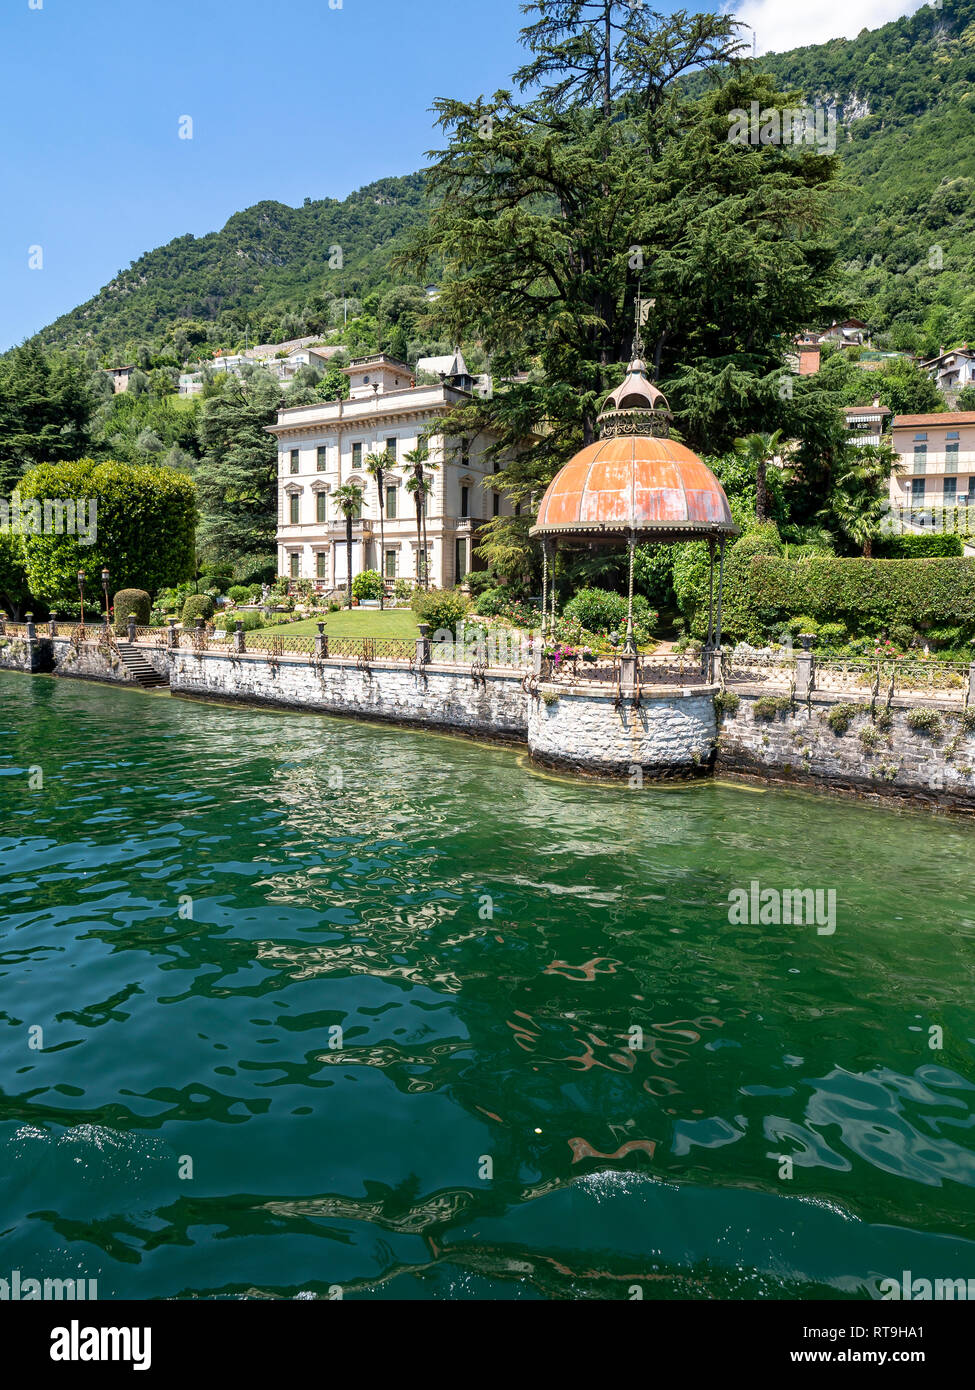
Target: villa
[
  {"x": 937, "y": 454},
  {"x": 325, "y": 445}
]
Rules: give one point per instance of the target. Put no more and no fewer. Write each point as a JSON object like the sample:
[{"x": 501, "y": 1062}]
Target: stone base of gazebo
[{"x": 589, "y": 729}]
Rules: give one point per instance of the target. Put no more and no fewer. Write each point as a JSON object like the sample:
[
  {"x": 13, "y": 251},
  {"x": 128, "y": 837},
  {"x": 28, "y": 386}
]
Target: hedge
[
  {"x": 910, "y": 547},
  {"x": 196, "y": 606},
  {"x": 140, "y": 522},
  {"x": 128, "y": 601},
  {"x": 912, "y": 592}
]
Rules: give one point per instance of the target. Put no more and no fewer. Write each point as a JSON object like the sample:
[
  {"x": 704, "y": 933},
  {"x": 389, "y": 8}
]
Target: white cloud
[{"x": 784, "y": 24}]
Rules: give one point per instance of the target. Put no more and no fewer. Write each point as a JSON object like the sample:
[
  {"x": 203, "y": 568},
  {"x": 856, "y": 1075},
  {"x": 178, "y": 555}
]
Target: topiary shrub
[
  {"x": 441, "y": 608},
  {"x": 368, "y": 584},
  {"x": 239, "y": 593},
  {"x": 128, "y": 601},
  {"x": 197, "y": 606}
]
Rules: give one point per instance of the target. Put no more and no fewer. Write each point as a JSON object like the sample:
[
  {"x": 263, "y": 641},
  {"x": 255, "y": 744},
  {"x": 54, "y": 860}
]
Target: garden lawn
[{"x": 357, "y": 622}]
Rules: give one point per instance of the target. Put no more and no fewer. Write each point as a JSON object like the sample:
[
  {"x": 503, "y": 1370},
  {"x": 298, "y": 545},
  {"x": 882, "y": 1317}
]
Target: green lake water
[{"x": 485, "y": 937}]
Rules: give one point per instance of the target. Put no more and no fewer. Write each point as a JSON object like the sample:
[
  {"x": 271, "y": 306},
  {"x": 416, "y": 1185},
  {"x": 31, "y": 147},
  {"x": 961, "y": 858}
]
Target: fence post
[
  {"x": 971, "y": 683},
  {"x": 321, "y": 642},
  {"x": 173, "y": 635},
  {"x": 423, "y": 645},
  {"x": 53, "y": 626},
  {"x": 805, "y": 666},
  {"x": 130, "y": 624},
  {"x": 31, "y": 629},
  {"x": 238, "y": 636}
]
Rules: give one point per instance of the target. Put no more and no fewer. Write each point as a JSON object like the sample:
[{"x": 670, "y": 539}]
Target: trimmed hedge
[
  {"x": 197, "y": 606},
  {"x": 909, "y": 547},
  {"x": 912, "y": 592},
  {"x": 128, "y": 601}
]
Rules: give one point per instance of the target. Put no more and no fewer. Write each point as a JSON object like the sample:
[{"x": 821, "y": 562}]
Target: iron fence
[{"x": 934, "y": 679}]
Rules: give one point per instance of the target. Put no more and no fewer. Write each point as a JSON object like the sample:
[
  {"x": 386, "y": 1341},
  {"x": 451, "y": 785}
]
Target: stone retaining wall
[
  {"x": 879, "y": 754},
  {"x": 440, "y": 697}
]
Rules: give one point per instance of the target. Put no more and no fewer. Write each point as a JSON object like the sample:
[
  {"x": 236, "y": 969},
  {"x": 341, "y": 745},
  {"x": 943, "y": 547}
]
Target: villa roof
[{"x": 949, "y": 418}]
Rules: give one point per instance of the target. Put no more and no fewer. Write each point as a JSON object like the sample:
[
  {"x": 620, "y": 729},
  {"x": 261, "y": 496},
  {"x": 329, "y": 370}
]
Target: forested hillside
[
  {"x": 906, "y": 224},
  {"x": 272, "y": 267},
  {"x": 905, "y": 221}
]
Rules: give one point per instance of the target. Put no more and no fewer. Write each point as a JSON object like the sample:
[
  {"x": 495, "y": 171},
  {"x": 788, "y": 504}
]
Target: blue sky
[{"x": 289, "y": 99}]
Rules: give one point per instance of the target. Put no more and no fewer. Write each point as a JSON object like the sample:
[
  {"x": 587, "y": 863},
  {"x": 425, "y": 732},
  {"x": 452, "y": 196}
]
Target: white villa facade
[{"x": 323, "y": 446}]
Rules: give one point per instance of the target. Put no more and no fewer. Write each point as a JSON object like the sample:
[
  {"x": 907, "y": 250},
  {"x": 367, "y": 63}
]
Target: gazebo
[{"x": 636, "y": 484}]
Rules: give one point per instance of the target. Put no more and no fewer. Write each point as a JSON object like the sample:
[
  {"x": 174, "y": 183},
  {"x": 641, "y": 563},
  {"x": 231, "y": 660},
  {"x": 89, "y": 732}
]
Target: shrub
[
  {"x": 767, "y": 707},
  {"x": 601, "y": 610},
  {"x": 727, "y": 702},
  {"x": 367, "y": 584},
  {"x": 490, "y": 603},
  {"x": 145, "y": 526},
  {"x": 128, "y": 601},
  {"x": 403, "y": 589},
  {"x": 884, "y": 720},
  {"x": 441, "y": 608},
  {"x": 924, "y": 721},
  {"x": 968, "y": 721},
  {"x": 196, "y": 606},
  {"x": 226, "y": 622},
  {"x": 239, "y": 593},
  {"x": 478, "y": 581},
  {"x": 869, "y": 737},
  {"x": 841, "y": 717}
]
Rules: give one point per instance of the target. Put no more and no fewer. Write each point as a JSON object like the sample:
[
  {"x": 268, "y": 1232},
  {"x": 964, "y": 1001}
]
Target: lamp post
[
  {"x": 81, "y": 591},
  {"x": 105, "y": 578}
]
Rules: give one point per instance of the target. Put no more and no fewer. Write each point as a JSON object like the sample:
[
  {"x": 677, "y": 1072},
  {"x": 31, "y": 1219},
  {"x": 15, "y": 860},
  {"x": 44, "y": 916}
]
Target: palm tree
[
  {"x": 419, "y": 485},
  {"x": 376, "y": 465},
  {"x": 348, "y": 499},
  {"x": 759, "y": 450},
  {"x": 859, "y": 499}
]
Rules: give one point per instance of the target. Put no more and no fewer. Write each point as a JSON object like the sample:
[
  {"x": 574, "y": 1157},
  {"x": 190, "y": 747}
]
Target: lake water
[{"x": 197, "y": 898}]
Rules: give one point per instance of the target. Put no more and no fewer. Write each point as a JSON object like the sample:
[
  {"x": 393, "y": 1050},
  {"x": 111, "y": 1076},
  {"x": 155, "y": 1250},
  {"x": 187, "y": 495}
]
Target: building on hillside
[
  {"x": 323, "y": 446},
  {"x": 120, "y": 378},
  {"x": 952, "y": 371},
  {"x": 805, "y": 361},
  {"x": 849, "y": 333},
  {"x": 285, "y": 368},
  {"x": 865, "y": 424},
  {"x": 451, "y": 366},
  {"x": 937, "y": 454},
  {"x": 266, "y": 350}
]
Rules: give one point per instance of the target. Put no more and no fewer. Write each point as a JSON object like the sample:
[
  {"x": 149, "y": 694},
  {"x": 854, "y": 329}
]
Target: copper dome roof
[
  {"x": 654, "y": 487},
  {"x": 635, "y": 480}
]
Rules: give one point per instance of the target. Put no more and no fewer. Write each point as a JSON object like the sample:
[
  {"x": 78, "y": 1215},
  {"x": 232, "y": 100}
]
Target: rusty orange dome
[{"x": 638, "y": 484}]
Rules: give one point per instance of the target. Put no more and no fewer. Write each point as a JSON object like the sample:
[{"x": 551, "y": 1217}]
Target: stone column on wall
[
  {"x": 805, "y": 667},
  {"x": 321, "y": 642},
  {"x": 971, "y": 684},
  {"x": 239, "y": 636},
  {"x": 31, "y": 629},
  {"x": 423, "y": 645},
  {"x": 173, "y": 634},
  {"x": 130, "y": 627}
]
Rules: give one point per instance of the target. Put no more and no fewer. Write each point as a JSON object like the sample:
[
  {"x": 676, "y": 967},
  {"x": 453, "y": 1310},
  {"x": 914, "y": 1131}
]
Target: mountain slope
[{"x": 267, "y": 257}]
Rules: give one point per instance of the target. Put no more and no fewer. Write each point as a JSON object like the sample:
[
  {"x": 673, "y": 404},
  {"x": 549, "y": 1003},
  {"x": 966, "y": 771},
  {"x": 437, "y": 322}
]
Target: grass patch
[{"x": 356, "y": 622}]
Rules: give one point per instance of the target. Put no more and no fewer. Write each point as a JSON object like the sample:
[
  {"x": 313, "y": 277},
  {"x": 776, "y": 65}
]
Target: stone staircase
[{"x": 139, "y": 667}]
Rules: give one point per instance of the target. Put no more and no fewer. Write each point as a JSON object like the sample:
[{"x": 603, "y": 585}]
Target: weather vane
[{"x": 641, "y": 314}]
